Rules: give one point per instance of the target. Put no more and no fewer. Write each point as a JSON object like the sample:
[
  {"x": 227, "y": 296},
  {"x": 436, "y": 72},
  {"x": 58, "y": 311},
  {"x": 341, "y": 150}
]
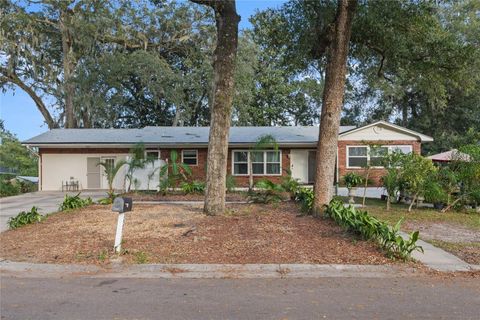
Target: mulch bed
[
  {"x": 180, "y": 196},
  {"x": 246, "y": 233}
]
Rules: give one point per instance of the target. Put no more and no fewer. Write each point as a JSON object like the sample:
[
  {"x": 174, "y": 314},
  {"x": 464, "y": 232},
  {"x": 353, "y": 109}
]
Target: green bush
[
  {"x": 25, "y": 217},
  {"x": 305, "y": 197},
  {"x": 230, "y": 183},
  {"x": 370, "y": 228},
  {"x": 352, "y": 180},
  {"x": 105, "y": 201},
  {"x": 290, "y": 184},
  {"x": 74, "y": 202},
  {"x": 8, "y": 189},
  {"x": 193, "y": 187},
  {"x": 267, "y": 192}
]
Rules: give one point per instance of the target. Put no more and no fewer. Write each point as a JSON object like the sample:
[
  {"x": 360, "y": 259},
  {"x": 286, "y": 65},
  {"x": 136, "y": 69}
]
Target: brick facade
[
  {"x": 375, "y": 173},
  {"x": 199, "y": 171}
]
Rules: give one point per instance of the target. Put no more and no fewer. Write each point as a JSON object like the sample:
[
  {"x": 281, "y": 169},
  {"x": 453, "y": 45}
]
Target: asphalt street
[{"x": 324, "y": 298}]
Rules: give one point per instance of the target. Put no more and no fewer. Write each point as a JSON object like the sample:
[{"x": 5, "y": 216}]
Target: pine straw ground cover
[{"x": 247, "y": 233}]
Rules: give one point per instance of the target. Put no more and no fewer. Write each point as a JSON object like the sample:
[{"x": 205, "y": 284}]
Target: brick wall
[
  {"x": 375, "y": 173},
  {"x": 199, "y": 171}
]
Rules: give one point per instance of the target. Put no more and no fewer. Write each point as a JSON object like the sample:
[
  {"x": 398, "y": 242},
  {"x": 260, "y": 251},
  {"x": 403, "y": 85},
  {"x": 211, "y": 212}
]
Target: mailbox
[{"x": 121, "y": 204}]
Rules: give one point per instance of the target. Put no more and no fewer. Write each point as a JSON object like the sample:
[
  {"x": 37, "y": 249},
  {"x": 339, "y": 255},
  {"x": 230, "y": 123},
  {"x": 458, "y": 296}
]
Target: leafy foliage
[
  {"x": 25, "y": 217},
  {"x": 74, "y": 202},
  {"x": 305, "y": 196},
  {"x": 7, "y": 188},
  {"x": 111, "y": 172},
  {"x": 230, "y": 183},
  {"x": 415, "y": 174},
  {"x": 173, "y": 172},
  {"x": 136, "y": 160},
  {"x": 193, "y": 187},
  {"x": 267, "y": 192},
  {"x": 370, "y": 228},
  {"x": 16, "y": 157},
  {"x": 290, "y": 184},
  {"x": 352, "y": 180}
]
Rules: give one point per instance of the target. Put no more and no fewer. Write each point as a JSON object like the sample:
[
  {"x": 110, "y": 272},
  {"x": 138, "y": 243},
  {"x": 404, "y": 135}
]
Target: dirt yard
[{"x": 247, "y": 233}]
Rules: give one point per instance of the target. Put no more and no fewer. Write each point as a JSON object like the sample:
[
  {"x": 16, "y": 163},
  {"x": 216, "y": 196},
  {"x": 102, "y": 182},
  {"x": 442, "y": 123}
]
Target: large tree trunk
[
  {"x": 227, "y": 20},
  {"x": 68, "y": 66},
  {"x": 337, "y": 52}
]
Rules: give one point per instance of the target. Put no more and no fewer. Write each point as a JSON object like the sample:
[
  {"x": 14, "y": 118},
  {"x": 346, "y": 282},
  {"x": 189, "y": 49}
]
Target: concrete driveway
[{"x": 46, "y": 201}]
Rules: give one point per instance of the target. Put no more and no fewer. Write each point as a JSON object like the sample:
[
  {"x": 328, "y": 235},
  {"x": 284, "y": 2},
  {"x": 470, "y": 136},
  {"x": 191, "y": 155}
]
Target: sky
[{"x": 21, "y": 116}]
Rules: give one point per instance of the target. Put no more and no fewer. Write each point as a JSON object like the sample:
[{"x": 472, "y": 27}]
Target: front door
[
  {"x": 93, "y": 173},
  {"x": 311, "y": 166}
]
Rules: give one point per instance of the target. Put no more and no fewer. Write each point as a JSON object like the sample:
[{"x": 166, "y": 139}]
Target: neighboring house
[
  {"x": 448, "y": 156},
  {"x": 66, "y": 153}
]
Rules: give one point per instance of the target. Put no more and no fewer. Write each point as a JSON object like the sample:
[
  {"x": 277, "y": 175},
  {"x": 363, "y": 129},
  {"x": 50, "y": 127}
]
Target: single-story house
[
  {"x": 448, "y": 156},
  {"x": 74, "y": 154}
]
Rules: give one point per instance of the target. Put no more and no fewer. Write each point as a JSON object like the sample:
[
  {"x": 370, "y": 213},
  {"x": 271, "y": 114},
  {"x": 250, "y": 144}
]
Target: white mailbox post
[{"x": 120, "y": 205}]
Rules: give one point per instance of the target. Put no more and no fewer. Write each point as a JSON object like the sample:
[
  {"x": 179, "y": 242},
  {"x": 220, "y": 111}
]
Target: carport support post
[{"x": 118, "y": 235}]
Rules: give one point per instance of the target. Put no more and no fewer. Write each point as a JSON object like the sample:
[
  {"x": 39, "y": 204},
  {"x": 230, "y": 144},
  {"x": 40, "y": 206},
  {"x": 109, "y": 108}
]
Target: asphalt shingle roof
[{"x": 175, "y": 135}]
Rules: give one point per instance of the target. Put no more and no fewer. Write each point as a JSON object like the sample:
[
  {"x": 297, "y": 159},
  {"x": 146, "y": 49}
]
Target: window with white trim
[
  {"x": 262, "y": 162},
  {"x": 152, "y": 154},
  {"x": 190, "y": 157},
  {"x": 361, "y": 156},
  {"x": 240, "y": 162}
]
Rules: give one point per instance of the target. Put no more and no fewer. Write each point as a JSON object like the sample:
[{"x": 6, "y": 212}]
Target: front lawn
[
  {"x": 456, "y": 232},
  {"x": 246, "y": 233}
]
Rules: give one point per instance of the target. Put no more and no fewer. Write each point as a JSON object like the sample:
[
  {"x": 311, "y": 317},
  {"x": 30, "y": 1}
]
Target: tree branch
[{"x": 13, "y": 78}]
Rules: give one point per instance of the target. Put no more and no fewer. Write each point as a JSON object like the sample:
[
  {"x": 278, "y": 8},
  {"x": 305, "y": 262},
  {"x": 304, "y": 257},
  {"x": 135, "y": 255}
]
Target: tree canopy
[{"x": 90, "y": 63}]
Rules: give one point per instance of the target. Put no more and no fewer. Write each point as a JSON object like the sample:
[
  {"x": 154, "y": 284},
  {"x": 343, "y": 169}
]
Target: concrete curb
[{"x": 204, "y": 271}]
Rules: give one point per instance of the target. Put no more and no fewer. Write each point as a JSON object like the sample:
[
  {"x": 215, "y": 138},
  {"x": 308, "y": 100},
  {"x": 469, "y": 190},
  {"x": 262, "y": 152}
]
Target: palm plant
[
  {"x": 173, "y": 171},
  {"x": 111, "y": 171},
  {"x": 266, "y": 141},
  {"x": 136, "y": 161}
]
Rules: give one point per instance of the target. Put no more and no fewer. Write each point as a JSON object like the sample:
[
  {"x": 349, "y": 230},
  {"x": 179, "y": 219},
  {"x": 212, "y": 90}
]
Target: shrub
[
  {"x": 8, "y": 189},
  {"x": 193, "y": 187},
  {"x": 230, "y": 183},
  {"x": 416, "y": 172},
  {"x": 105, "y": 201},
  {"x": 305, "y": 196},
  {"x": 352, "y": 180},
  {"x": 267, "y": 192},
  {"x": 370, "y": 228},
  {"x": 290, "y": 184},
  {"x": 74, "y": 202},
  {"x": 25, "y": 217}
]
